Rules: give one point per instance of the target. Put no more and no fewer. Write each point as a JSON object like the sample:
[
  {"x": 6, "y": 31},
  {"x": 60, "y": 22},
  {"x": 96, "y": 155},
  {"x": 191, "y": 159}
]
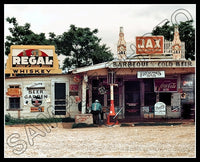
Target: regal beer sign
[
  {"x": 150, "y": 45},
  {"x": 32, "y": 59}
]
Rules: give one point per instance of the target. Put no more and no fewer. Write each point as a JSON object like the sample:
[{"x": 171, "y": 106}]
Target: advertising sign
[
  {"x": 160, "y": 108},
  {"x": 165, "y": 85},
  {"x": 14, "y": 92},
  {"x": 37, "y": 109},
  {"x": 32, "y": 59},
  {"x": 151, "y": 74},
  {"x": 149, "y": 45}
]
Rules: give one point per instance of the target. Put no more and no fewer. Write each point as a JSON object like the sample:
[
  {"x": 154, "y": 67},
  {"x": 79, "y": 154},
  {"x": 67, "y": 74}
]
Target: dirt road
[{"x": 115, "y": 142}]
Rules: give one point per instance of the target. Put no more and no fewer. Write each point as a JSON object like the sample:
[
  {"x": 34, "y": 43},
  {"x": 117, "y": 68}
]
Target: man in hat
[{"x": 96, "y": 110}]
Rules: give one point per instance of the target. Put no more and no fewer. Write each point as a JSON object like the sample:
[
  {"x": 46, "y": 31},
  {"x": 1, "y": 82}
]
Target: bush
[{"x": 7, "y": 117}]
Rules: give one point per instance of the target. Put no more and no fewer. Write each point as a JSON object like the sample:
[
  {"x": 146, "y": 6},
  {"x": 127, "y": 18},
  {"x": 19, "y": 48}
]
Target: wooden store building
[
  {"x": 35, "y": 86},
  {"x": 154, "y": 82}
]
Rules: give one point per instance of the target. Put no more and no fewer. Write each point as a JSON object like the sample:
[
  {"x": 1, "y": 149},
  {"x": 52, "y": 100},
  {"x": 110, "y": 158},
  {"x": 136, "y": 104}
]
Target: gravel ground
[{"x": 97, "y": 142}]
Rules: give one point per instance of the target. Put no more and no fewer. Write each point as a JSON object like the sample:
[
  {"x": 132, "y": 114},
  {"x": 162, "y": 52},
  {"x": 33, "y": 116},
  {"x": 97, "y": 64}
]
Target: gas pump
[{"x": 111, "y": 117}]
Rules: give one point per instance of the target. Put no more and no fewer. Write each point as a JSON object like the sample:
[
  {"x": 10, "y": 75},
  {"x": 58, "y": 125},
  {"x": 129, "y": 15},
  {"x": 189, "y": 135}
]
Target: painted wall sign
[
  {"x": 32, "y": 59},
  {"x": 36, "y": 93},
  {"x": 160, "y": 108},
  {"x": 165, "y": 85},
  {"x": 151, "y": 74},
  {"x": 152, "y": 64},
  {"x": 149, "y": 45}
]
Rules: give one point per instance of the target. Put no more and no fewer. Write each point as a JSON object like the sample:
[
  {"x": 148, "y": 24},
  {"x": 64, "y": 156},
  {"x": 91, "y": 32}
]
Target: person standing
[{"x": 96, "y": 109}]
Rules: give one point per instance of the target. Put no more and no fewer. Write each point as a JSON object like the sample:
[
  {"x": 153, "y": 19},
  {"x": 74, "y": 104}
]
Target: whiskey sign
[{"x": 32, "y": 59}]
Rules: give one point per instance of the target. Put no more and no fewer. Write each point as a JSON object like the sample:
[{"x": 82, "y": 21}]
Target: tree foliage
[
  {"x": 80, "y": 45},
  {"x": 22, "y": 35},
  {"x": 186, "y": 32}
]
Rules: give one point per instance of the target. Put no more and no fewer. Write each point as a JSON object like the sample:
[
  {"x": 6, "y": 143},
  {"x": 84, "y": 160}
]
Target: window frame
[{"x": 17, "y": 104}]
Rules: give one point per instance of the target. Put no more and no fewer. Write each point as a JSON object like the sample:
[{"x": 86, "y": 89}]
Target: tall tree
[
  {"x": 82, "y": 47},
  {"x": 22, "y": 35},
  {"x": 186, "y": 32}
]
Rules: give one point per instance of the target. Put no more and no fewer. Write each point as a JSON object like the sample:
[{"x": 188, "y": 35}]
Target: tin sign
[
  {"x": 151, "y": 74},
  {"x": 32, "y": 59},
  {"x": 165, "y": 85},
  {"x": 160, "y": 108},
  {"x": 150, "y": 45}
]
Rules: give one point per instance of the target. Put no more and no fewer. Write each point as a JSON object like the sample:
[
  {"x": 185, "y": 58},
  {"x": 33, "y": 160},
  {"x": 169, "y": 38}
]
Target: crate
[
  {"x": 146, "y": 115},
  {"x": 151, "y": 115}
]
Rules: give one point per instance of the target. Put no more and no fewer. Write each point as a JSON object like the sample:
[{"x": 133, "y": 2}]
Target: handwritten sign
[{"x": 151, "y": 74}]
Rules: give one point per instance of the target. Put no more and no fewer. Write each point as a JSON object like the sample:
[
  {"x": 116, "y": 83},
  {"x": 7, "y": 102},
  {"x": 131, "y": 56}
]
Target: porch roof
[{"x": 138, "y": 63}]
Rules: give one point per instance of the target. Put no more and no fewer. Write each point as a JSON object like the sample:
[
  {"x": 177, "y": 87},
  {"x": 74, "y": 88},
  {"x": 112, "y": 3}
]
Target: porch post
[{"x": 84, "y": 85}]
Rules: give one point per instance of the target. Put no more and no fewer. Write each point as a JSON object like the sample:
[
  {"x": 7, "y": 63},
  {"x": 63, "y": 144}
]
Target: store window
[
  {"x": 165, "y": 97},
  {"x": 14, "y": 86},
  {"x": 14, "y": 103}
]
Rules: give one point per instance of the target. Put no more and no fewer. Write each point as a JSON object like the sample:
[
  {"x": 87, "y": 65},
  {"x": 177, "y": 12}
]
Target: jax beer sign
[
  {"x": 149, "y": 45},
  {"x": 32, "y": 59}
]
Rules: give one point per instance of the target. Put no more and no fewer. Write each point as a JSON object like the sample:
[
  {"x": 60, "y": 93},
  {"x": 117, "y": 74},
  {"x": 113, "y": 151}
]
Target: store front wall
[
  {"x": 138, "y": 96},
  {"x": 41, "y": 96}
]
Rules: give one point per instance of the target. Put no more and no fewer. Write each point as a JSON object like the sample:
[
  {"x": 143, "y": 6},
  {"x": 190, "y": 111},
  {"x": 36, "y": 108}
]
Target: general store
[
  {"x": 157, "y": 73},
  {"x": 156, "y": 81}
]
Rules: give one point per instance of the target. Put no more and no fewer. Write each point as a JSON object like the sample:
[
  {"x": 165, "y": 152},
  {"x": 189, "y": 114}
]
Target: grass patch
[
  {"x": 83, "y": 125},
  {"x": 12, "y": 121}
]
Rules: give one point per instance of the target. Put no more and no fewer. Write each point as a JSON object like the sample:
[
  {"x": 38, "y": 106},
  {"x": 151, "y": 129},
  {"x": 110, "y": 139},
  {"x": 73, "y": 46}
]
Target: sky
[{"x": 136, "y": 19}]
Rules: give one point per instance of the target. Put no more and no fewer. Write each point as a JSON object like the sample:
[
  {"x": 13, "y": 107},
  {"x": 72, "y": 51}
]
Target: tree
[
  {"x": 22, "y": 35},
  {"x": 186, "y": 32},
  {"x": 82, "y": 47}
]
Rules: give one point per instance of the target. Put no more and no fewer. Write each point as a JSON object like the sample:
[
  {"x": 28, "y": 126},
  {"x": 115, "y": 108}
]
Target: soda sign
[
  {"x": 150, "y": 45},
  {"x": 165, "y": 85}
]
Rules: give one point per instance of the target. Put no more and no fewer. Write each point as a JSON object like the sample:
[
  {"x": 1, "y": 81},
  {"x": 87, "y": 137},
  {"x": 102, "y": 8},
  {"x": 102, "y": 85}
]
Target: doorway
[
  {"x": 60, "y": 99},
  {"x": 132, "y": 99}
]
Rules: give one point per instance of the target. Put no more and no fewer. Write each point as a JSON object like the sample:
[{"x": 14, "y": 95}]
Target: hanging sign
[
  {"x": 151, "y": 74},
  {"x": 32, "y": 59},
  {"x": 165, "y": 85},
  {"x": 150, "y": 45}
]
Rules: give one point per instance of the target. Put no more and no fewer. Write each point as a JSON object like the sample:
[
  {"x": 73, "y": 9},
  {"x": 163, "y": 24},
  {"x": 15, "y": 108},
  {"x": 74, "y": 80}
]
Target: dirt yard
[{"x": 97, "y": 142}]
